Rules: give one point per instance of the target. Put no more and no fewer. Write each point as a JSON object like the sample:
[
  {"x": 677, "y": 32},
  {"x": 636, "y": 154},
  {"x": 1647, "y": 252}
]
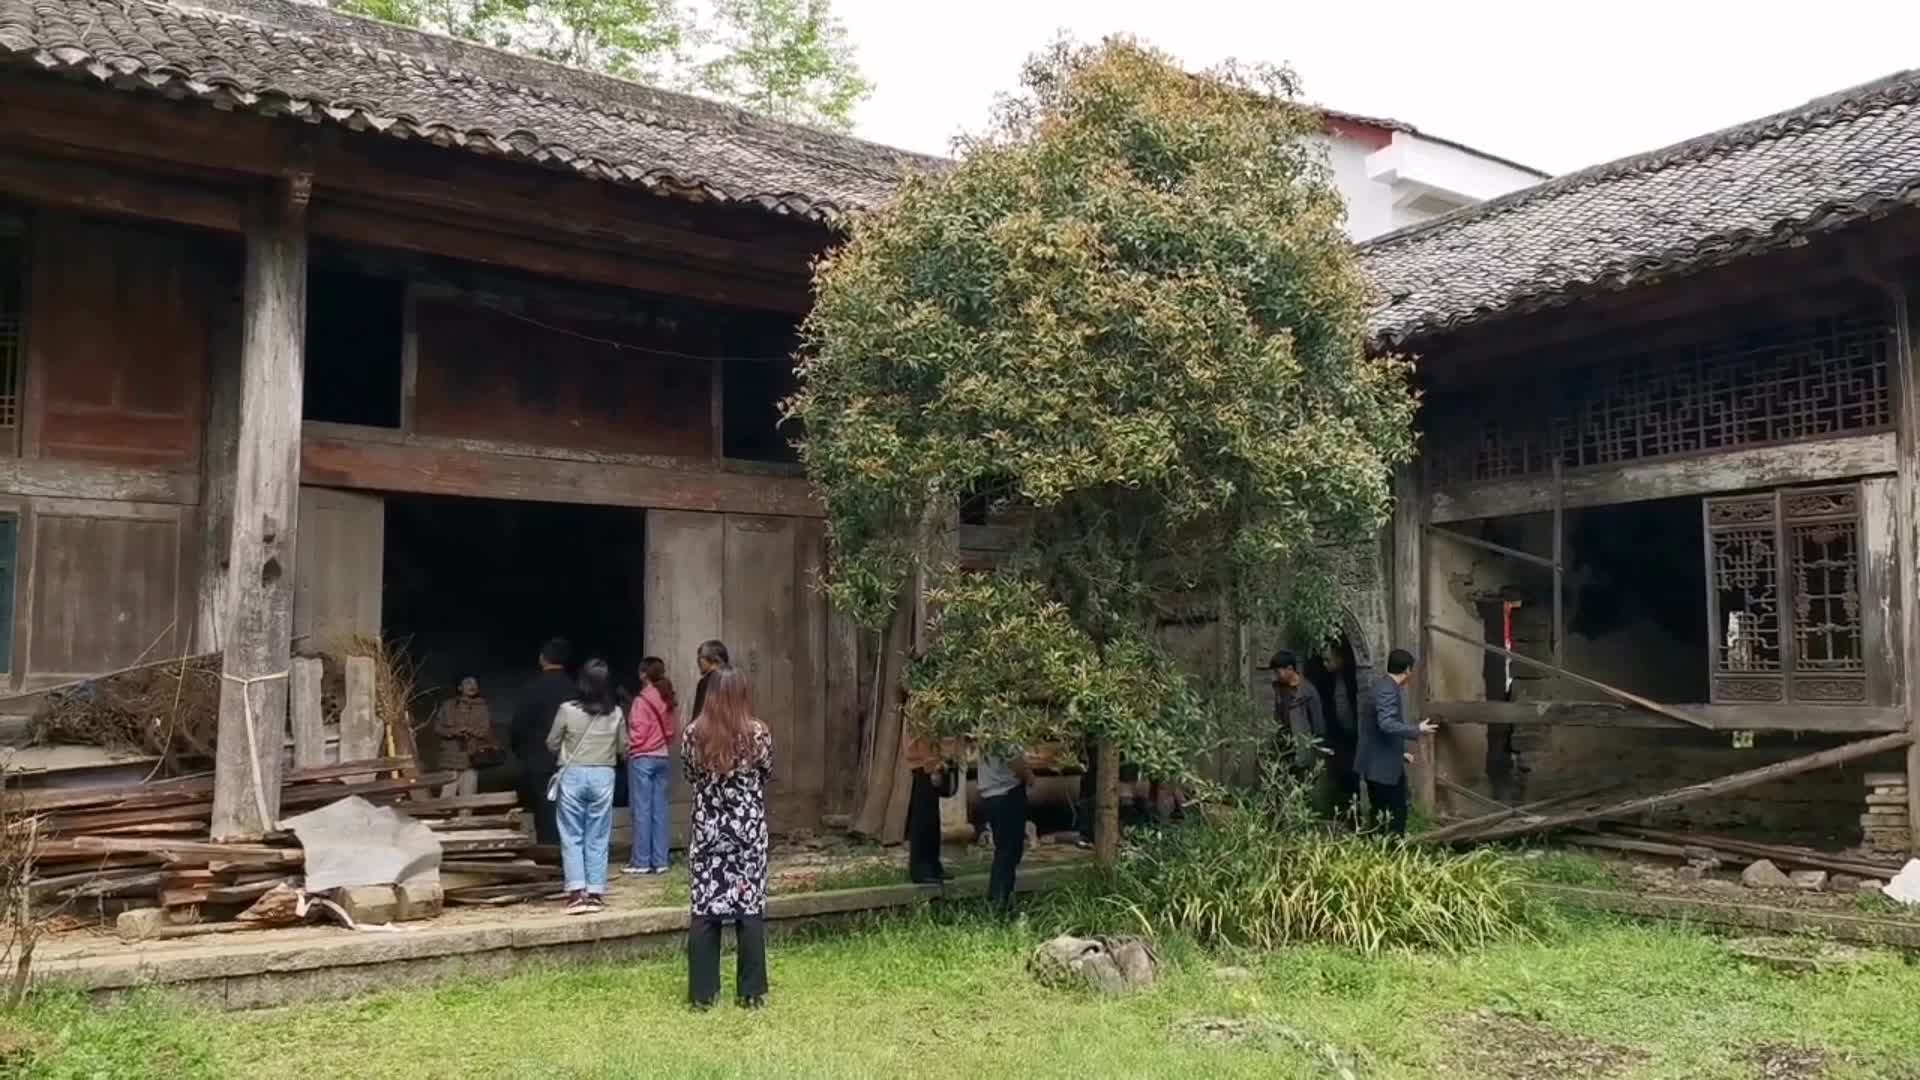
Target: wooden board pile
[
  {"x": 1884, "y": 827},
  {"x": 147, "y": 845}
]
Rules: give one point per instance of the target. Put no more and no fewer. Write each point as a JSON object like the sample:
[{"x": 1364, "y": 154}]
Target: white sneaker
[
  {"x": 579, "y": 905},
  {"x": 637, "y": 871}
]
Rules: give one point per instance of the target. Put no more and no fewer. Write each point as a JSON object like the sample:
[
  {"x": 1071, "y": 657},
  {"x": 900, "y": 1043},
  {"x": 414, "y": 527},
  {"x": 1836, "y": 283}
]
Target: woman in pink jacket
[{"x": 651, "y": 724}]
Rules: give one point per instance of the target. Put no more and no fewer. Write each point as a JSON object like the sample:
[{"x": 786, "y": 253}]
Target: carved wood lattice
[
  {"x": 1787, "y": 383},
  {"x": 1784, "y": 608}
]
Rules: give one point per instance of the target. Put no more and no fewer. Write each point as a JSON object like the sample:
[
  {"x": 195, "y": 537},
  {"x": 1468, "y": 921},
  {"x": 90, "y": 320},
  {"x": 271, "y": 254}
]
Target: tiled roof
[
  {"x": 284, "y": 58},
  {"x": 1765, "y": 184}
]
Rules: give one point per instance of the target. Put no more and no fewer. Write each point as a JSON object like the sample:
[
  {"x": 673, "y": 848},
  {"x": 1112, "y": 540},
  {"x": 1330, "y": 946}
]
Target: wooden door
[{"x": 339, "y": 550}]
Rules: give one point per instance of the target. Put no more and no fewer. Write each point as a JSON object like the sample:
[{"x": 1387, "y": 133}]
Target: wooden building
[
  {"x": 312, "y": 326},
  {"x": 1665, "y": 521}
]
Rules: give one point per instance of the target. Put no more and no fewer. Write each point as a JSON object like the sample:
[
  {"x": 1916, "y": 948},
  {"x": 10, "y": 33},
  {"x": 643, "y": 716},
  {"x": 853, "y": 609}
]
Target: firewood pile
[{"x": 148, "y": 846}]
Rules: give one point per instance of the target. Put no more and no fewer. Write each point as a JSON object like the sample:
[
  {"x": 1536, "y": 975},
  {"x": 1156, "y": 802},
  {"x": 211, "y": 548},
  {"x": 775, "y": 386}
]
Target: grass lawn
[{"x": 948, "y": 994}]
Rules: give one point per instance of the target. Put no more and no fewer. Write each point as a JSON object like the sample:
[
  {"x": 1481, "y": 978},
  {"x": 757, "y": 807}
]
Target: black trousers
[
  {"x": 1393, "y": 799},
  {"x": 703, "y": 958},
  {"x": 533, "y": 799},
  {"x": 923, "y": 830},
  {"x": 1007, "y": 817}
]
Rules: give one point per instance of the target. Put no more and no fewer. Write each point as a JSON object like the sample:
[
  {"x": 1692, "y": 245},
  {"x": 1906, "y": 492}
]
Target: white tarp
[
  {"x": 353, "y": 842},
  {"x": 1905, "y": 886}
]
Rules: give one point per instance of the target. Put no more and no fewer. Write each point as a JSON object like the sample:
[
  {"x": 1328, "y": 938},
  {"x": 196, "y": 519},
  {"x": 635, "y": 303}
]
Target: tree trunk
[
  {"x": 888, "y": 720},
  {"x": 1106, "y": 805}
]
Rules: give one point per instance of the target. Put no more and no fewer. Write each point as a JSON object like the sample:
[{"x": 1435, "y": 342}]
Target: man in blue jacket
[{"x": 1386, "y": 737}]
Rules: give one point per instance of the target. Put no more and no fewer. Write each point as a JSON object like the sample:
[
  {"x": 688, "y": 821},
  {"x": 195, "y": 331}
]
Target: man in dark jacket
[
  {"x": 711, "y": 657},
  {"x": 1382, "y": 752},
  {"x": 1299, "y": 716},
  {"x": 532, "y": 720}
]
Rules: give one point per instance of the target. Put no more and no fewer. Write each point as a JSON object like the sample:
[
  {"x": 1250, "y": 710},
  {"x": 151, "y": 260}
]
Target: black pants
[
  {"x": 1007, "y": 817},
  {"x": 703, "y": 958},
  {"x": 533, "y": 799},
  {"x": 1393, "y": 799},
  {"x": 923, "y": 830}
]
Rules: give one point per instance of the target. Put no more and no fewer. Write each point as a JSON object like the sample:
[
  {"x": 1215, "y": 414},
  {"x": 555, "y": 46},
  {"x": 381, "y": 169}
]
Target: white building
[{"x": 1393, "y": 176}]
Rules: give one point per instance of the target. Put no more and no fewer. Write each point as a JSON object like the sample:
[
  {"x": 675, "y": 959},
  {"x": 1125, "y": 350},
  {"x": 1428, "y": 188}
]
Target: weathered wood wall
[{"x": 106, "y": 584}]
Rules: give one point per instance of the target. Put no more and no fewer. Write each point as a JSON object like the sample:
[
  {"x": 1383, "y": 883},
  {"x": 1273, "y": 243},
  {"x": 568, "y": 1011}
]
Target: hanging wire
[{"x": 627, "y": 346}]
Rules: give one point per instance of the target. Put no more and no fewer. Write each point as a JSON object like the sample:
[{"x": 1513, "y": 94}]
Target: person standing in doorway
[
  {"x": 1339, "y": 687},
  {"x": 587, "y": 738},
  {"x": 727, "y": 756},
  {"x": 464, "y": 725},
  {"x": 1004, "y": 776},
  {"x": 709, "y": 658},
  {"x": 931, "y": 778},
  {"x": 532, "y": 719},
  {"x": 1300, "y": 721},
  {"x": 1382, "y": 753},
  {"x": 650, "y": 729}
]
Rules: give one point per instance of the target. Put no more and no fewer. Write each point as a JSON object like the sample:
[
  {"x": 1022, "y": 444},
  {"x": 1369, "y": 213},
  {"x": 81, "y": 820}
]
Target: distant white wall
[{"x": 1411, "y": 179}]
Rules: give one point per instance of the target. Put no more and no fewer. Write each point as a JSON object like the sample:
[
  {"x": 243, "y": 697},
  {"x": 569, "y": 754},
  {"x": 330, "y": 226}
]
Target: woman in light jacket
[
  {"x": 651, "y": 724},
  {"x": 588, "y": 738}
]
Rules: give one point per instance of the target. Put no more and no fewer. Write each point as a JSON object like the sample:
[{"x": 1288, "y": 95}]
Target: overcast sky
[{"x": 1552, "y": 91}]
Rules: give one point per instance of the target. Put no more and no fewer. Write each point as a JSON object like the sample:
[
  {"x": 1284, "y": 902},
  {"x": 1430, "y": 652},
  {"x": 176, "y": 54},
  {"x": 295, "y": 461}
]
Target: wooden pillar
[
  {"x": 1906, "y": 411},
  {"x": 256, "y": 640},
  {"x": 1410, "y": 615},
  {"x": 219, "y": 458}
]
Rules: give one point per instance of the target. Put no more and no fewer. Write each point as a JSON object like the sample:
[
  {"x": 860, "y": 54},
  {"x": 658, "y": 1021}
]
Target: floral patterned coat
[{"x": 728, "y": 855}]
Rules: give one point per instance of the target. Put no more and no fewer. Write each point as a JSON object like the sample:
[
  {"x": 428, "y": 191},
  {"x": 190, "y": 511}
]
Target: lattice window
[
  {"x": 1784, "y": 606},
  {"x": 13, "y": 312},
  {"x": 1792, "y": 382}
]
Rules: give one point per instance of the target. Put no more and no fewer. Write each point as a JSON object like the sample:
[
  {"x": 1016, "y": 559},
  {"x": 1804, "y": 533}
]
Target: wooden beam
[
  {"x": 431, "y": 467},
  {"x": 1498, "y": 549},
  {"x": 1705, "y": 789},
  {"x": 1410, "y": 602},
  {"x": 1466, "y": 829},
  {"x": 97, "y": 483},
  {"x": 1696, "y": 910},
  {"x": 1559, "y": 563},
  {"x": 303, "y": 713},
  {"x": 1554, "y": 669},
  {"x": 1906, "y": 511},
  {"x": 90, "y": 189},
  {"x": 1837, "y": 719},
  {"x": 474, "y": 242},
  {"x": 1846, "y": 457},
  {"x": 219, "y": 459},
  {"x": 1780, "y": 853},
  {"x": 258, "y": 635}
]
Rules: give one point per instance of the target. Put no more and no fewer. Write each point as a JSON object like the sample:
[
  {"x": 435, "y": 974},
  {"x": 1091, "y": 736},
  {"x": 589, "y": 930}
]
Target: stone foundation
[{"x": 1884, "y": 827}]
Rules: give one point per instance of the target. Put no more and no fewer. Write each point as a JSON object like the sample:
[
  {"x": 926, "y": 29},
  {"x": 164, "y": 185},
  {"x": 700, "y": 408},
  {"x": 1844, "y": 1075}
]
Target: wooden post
[
  {"x": 1906, "y": 413},
  {"x": 257, "y": 639},
  {"x": 1559, "y": 565},
  {"x": 1409, "y": 616},
  {"x": 219, "y": 457},
  {"x": 309, "y": 734},
  {"x": 360, "y": 736}
]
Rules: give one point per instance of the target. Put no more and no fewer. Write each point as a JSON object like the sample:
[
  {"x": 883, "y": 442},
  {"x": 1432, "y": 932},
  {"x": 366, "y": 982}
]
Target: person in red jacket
[{"x": 651, "y": 724}]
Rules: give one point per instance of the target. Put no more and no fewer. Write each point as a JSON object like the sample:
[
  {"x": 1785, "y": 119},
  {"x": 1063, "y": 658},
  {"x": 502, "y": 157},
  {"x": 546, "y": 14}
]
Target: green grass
[
  {"x": 895, "y": 996},
  {"x": 1570, "y": 868}
]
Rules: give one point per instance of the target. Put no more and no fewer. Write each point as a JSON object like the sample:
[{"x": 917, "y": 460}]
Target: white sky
[{"x": 1554, "y": 91}]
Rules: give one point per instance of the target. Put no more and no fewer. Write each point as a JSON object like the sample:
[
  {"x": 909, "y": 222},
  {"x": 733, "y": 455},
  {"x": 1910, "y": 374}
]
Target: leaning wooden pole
[
  {"x": 1906, "y": 413},
  {"x": 256, "y": 644},
  {"x": 886, "y": 720},
  {"x": 1553, "y": 669},
  {"x": 1706, "y": 789}
]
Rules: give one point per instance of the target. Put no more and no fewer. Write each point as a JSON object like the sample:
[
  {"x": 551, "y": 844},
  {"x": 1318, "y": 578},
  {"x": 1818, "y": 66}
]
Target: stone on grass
[
  {"x": 1764, "y": 875},
  {"x": 1871, "y": 885},
  {"x": 1843, "y": 883},
  {"x": 1810, "y": 880},
  {"x": 1690, "y": 874},
  {"x": 139, "y": 923},
  {"x": 1108, "y": 965},
  {"x": 369, "y": 905}
]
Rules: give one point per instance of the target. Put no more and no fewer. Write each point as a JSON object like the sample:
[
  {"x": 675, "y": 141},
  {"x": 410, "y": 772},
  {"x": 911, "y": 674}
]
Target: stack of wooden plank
[{"x": 147, "y": 845}]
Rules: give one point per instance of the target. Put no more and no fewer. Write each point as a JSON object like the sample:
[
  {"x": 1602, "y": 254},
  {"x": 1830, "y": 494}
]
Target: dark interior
[{"x": 355, "y": 334}]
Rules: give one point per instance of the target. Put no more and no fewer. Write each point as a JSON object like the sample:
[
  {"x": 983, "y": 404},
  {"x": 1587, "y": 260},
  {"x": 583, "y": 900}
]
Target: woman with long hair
[
  {"x": 727, "y": 756},
  {"x": 650, "y": 729},
  {"x": 588, "y": 739}
]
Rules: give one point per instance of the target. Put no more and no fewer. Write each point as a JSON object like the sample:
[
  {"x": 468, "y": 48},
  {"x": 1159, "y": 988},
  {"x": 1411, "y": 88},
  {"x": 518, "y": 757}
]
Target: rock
[
  {"x": 1871, "y": 885},
  {"x": 1843, "y": 883},
  {"x": 1108, "y": 965},
  {"x": 1690, "y": 874},
  {"x": 1810, "y": 880},
  {"x": 1706, "y": 859},
  {"x": 419, "y": 900},
  {"x": 139, "y": 923},
  {"x": 1232, "y": 974},
  {"x": 369, "y": 905},
  {"x": 1764, "y": 875},
  {"x": 1033, "y": 836}
]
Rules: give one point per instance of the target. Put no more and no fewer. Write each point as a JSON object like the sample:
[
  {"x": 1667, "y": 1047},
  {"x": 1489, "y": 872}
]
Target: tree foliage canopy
[
  {"x": 1131, "y": 318},
  {"x": 789, "y": 59}
]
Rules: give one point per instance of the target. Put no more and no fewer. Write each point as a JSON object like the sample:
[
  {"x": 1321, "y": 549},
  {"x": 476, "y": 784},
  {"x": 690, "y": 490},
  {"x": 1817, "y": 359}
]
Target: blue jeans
[
  {"x": 586, "y": 826},
  {"x": 649, "y": 779}
]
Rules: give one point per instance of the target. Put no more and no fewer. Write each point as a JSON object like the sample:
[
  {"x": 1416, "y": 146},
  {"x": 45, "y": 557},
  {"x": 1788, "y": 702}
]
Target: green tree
[
  {"x": 1131, "y": 316},
  {"x": 788, "y": 59},
  {"x": 637, "y": 39}
]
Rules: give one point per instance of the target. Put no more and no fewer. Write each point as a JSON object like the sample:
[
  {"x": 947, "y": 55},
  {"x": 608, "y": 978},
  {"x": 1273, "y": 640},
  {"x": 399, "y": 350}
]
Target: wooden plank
[
  {"x": 315, "y": 794},
  {"x": 100, "y": 482},
  {"x": 759, "y": 628},
  {"x": 1905, "y": 362},
  {"x": 360, "y": 734},
  {"x": 1705, "y": 789},
  {"x": 305, "y": 718},
  {"x": 505, "y": 871},
  {"x": 1613, "y": 691},
  {"x": 337, "y": 587},
  {"x": 1880, "y": 591},
  {"x": 105, "y": 588},
  {"x": 1559, "y": 563},
  {"x": 808, "y": 742},
  {"x": 483, "y": 840},
  {"x": 219, "y": 460},
  {"x": 1779, "y": 853},
  {"x": 492, "y": 800},
  {"x": 257, "y": 643},
  {"x": 843, "y": 728},
  {"x": 1767, "y": 466},
  {"x": 350, "y": 767},
  {"x": 1843, "y": 719},
  {"x": 1467, "y": 829},
  {"x": 89, "y": 189},
  {"x": 1498, "y": 549},
  {"x": 173, "y": 851},
  {"x": 1862, "y": 929},
  {"x": 417, "y": 466},
  {"x": 686, "y": 598}
]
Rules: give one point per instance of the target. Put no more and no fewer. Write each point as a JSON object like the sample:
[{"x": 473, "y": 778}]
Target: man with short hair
[
  {"x": 532, "y": 720},
  {"x": 1299, "y": 716},
  {"x": 709, "y": 658},
  {"x": 1003, "y": 776},
  {"x": 1382, "y": 753}
]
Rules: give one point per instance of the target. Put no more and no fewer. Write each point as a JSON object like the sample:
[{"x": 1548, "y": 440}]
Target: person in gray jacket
[
  {"x": 1382, "y": 752},
  {"x": 588, "y": 739}
]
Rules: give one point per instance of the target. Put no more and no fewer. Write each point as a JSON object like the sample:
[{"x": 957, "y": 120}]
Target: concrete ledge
[
  {"x": 276, "y": 967},
  {"x": 1856, "y": 929}
]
